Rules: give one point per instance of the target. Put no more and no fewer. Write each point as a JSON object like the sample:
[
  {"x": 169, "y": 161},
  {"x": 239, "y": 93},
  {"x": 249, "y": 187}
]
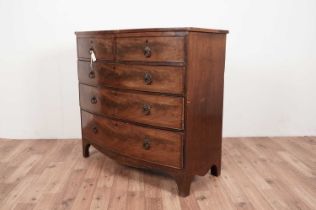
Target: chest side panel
[{"x": 204, "y": 101}]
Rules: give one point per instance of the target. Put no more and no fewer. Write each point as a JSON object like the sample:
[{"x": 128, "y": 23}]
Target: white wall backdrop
[{"x": 270, "y": 70}]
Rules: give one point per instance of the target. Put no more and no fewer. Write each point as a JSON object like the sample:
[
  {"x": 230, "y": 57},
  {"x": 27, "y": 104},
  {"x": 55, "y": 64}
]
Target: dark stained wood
[
  {"x": 163, "y": 111},
  {"x": 146, "y": 30},
  {"x": 102, "y": 47},
  {"x": 159, "y": 49},
  {"x": 152, "y": 145},
  {"x": 85, "y": 148},
  {"x": 183, "y": 182},
  {"x": 204, "y": 102},
  {"x": 194, "y": 59},
  {"x": 135, "y": 34},
  {"x": 163, "y": 79}
]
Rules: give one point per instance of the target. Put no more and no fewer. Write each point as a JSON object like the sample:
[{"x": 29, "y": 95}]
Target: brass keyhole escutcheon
[
  {"x": 146, "y": 143},
  {"x": 146, "y": 109},
  {"x": 95, "y": 129}
]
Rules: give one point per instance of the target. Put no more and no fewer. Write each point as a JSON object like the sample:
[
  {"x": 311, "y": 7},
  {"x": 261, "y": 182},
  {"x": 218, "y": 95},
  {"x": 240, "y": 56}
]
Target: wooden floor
[{"x": 257, "y": 173}]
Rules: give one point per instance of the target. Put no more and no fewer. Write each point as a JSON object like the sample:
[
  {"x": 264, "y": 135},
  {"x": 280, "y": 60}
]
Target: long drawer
[
  {"x": 155, "y": 49},
  {"x": 152, "y": 145},
  {"x": 164, "y": 79},
  {"x": 156, "y": 110}
]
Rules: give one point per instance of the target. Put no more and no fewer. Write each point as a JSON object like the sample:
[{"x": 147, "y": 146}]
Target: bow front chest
[{"x": 153, "y": 98}]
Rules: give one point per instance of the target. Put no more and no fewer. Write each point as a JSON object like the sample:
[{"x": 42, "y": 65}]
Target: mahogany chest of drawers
[{"x": 153, "y": 98}]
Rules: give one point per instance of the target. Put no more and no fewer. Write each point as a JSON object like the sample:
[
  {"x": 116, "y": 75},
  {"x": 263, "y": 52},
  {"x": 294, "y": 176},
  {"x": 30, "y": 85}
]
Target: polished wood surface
[
  {"x": 191, "y": 103},
  {"x": 146, "y": 144},
  {"x": 163, "y": 49},
  {"x": 257, "y": 173},
  {"x": 204, "y": 102},
  {"x": 102, "y": 47},
  {"x": 157, "y": 110},
  {"x": 163, "y": 79},
  {"x": 156, "y": 30}
]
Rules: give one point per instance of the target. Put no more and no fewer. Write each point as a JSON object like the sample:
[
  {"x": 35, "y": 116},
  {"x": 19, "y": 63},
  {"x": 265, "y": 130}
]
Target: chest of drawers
[{"x": 153, "y": 98}]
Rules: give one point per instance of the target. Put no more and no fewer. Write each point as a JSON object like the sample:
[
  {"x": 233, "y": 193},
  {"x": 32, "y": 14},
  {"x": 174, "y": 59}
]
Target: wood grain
[
  {"x": 204, "y": 102},
  {"x": 163, "y": 79},
  {"x": 132, "y": 32},
  {"x": 192, "y": 103},
  {"x": 257, "y": 173},
  {"x": 163, "y": 147},
  {"x": 164, "y": 49},
  {"x": 102, "y": 47},
  {"x": 164, "y": 111}
]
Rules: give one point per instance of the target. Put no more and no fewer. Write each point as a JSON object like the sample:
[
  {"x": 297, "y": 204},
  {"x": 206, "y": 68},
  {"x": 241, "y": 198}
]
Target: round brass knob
[
  {"x": 148, "y": 79},
  {"x": 91, "y": 75},
  {"x": 94, "y": 100},
  {"x": 147, "y": 52}
]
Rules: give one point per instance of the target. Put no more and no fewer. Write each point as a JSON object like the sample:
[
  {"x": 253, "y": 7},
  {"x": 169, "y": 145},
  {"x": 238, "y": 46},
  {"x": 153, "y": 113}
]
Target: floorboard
[{"x": 258, "y": 173}]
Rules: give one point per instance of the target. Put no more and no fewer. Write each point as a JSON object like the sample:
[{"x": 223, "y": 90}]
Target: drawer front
[
  {"x": 165, "y": 79},
  {"x": 152, "y": 145},
  {"x": 158, "y": 49},
  {"x": 102, "y": 48},
  {"x": 157, "y": 110}
]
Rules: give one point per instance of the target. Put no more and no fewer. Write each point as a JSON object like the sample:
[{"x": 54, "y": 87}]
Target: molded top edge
[{"x": 205, "y": 30}]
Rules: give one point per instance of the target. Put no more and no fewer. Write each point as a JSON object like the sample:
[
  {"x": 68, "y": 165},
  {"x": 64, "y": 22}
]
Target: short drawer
[
  {"x": 157, "y": 110},
  {"x": 151, "y": 145},
  {"x": 157, "y": 49},
  {"x": 102, "y": 48},
  {"x": 165, "y": 79}
]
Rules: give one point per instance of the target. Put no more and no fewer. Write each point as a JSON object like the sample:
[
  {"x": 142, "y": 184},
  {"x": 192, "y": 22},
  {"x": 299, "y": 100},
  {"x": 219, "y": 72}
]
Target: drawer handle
[
  {"x": 146, "y": 143},
  {"x": 147, "y": 52},
  {"x": 91, "y": 75},
  {"x": 94, "y": 100},
  {"x": 148, "y": 79},
  {"x": 146, "y": 109},
  {"x": 95, "y": 129}
]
